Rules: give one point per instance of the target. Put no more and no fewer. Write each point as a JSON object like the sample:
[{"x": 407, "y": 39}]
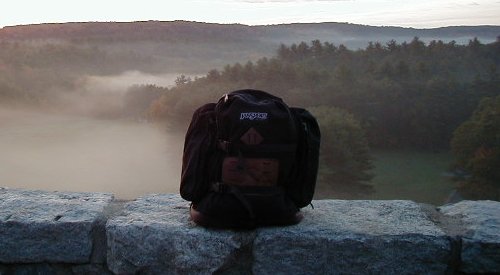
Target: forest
[
  {"x": 420, "y": 94},
  {"x": 404, "y": 95},
  {"x": 408, "y": 95}
]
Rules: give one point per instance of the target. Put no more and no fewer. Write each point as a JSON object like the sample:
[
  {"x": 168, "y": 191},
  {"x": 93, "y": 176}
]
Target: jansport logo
[{"x": 253, "y": 116}]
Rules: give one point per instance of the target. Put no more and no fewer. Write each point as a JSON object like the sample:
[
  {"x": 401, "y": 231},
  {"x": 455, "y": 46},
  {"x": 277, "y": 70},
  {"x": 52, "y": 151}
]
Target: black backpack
[{"x": 249, "y": 160}]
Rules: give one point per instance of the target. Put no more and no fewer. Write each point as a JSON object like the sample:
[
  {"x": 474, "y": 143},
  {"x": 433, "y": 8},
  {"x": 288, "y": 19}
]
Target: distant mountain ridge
[
  {"x": 143, "y": 30},
  {"x": 351, "y": 35}
]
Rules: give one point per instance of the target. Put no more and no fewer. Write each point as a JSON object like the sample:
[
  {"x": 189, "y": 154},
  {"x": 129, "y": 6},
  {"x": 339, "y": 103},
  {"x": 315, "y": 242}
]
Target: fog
[
  {"x": 77, "y": 153},
  {"x": 121, "y": 82},
  {"x": 73, "y": 148},
  {"x": 97, "y": 95}
]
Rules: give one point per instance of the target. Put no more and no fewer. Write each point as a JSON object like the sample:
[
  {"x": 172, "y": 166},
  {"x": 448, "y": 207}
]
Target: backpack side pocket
[
  {"x": 199, "y": 145},
  {"x": 301, "y": 189}
]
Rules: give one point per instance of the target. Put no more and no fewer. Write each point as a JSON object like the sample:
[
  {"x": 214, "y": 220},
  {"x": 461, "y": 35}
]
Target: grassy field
[
  {"x": 412, "y": 175},
  {"x": 403, "y": 174}
]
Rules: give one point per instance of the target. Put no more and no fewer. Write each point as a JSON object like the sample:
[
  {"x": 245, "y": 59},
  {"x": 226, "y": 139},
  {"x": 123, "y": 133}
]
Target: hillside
[
  {"x": 351, "y": 35},
  {"x": 39, "y": 62},
  {"x": 177, "y": 31}
]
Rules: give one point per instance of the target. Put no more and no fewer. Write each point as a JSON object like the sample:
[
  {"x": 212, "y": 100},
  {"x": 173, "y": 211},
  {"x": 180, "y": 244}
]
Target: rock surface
[
  {"x": 480, "y": 234},
  {"x": 336, "y": 237},
  {"x": 355, "y": 237},
  {"x": 156, "y": 236},
  {"x": 90, "y": 233},
  {"x": 53, "y": 227}
]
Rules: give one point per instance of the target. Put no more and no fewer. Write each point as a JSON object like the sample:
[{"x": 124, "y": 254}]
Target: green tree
[
  {"x": 317, "y": 48},
  {"x": 213, "y": 75},
  {"x": 476, "y": 146},
  {"x": 138, "y": 99},
  {"x": 284, "y": 53},
  {"x": 182, "y": 80},
  {"x": 345, "y": 157},
  {"x": 476, "y": 142}
]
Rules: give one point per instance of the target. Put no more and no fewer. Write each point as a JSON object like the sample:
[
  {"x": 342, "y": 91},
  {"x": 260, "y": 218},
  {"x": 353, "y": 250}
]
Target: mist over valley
[
  {"x": 104, "y": 107},
  {"x": 76, "y": 146}
]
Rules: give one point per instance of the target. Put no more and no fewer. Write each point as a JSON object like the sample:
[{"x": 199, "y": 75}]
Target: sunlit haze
[{"x": 412, "y": 13}]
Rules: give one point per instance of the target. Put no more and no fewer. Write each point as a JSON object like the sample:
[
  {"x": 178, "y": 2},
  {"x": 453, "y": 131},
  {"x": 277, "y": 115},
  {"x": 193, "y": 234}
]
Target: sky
[{"x": 404, "y": 13}]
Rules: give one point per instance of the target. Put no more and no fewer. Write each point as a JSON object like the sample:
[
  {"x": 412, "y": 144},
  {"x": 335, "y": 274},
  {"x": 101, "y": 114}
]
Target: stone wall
[{"x": 91, "y": 233}]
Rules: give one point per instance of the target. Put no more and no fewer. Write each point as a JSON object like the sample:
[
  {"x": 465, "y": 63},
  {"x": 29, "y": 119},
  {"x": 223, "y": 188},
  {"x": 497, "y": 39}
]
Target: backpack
[{"x": 249, "y": 160}]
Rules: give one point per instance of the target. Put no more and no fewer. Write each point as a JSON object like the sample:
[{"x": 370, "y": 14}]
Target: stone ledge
[
  {"x": 480, "y": 234},
  {"x": 355, "y": 237},
  {"x": 336, "y": 237},
  {"x": 84, "y": 232},
  {"x": 52, "y": 227},
  {"x": 156, "y": 235}
]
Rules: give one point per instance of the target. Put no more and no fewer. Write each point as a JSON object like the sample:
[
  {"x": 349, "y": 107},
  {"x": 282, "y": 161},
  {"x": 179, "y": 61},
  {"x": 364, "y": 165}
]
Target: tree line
[
  {"x": 393, "y": 95},
  {"x": 36, "y": 73},
  {"x": 405, "y": 95}
]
